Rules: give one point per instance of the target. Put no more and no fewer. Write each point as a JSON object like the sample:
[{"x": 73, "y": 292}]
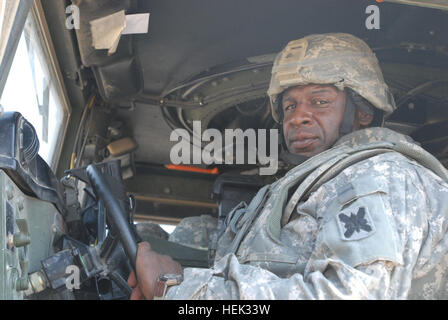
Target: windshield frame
[{"x": 53, "y": 65}]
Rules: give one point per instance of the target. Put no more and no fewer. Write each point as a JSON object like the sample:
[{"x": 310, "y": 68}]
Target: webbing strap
[
  {"x": 252, "y": 211},
  {"x": 321, "y": 175},
  {"x": 327, "y": 172}
]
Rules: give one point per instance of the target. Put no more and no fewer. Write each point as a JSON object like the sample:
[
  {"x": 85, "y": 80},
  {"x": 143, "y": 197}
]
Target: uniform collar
[{"x": 369, "y": 135}]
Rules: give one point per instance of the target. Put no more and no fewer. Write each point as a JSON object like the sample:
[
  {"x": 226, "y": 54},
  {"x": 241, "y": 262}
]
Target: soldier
[{"x": 365, "y": 217}]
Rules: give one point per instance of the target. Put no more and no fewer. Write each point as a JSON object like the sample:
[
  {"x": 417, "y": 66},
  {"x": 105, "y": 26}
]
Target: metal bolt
[{"x": 21, "y": 239}]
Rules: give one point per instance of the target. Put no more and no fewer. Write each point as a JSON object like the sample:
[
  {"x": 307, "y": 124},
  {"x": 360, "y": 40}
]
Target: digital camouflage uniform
[
  {"x": 384, "y": 237},
  {"x": 194, "y": 231}
]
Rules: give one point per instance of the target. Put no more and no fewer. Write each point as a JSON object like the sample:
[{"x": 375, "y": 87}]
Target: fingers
[
  {"x": 178, "y": 268},
  {"x": 143, "y": 247},
  {"x": 132, "y": 280},
  {"x": 150, "y": 265},
  {"x": 137, "y": 294},
  {"x": 143, "y": 253}
]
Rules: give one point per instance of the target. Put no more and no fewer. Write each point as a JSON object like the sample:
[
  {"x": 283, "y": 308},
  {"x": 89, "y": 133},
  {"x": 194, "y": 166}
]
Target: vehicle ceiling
[{"x": 189, "y": 39}]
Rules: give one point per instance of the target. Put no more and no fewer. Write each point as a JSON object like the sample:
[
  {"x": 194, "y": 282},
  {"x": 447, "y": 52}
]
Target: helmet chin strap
[{"x": 349, "y": 117}]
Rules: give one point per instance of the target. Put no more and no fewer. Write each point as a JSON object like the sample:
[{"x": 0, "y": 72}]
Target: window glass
[{"x": 31, "y": 89}]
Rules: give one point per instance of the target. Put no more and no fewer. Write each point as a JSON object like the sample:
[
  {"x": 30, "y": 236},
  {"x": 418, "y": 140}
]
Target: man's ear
[{"x": 364, "y": 119}]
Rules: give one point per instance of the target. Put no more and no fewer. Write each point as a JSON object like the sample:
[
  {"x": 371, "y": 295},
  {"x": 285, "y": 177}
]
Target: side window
[{"x": 32, "y": 88}]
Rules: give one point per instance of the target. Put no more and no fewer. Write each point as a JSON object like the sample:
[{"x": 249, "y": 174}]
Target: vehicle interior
[{"x": 85, "y": 158}]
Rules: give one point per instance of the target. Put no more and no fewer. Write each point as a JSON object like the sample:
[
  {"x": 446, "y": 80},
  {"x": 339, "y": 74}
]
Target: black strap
[{"x": 349, "y": 117}]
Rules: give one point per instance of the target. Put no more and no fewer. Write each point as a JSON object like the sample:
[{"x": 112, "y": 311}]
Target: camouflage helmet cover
[{"x": 340, "y": 59}]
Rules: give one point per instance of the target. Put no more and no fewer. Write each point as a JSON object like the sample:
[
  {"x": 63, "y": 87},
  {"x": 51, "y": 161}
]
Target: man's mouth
[
  {"x": 303, "y": 142},
  {"x": 303, "y": 145}
]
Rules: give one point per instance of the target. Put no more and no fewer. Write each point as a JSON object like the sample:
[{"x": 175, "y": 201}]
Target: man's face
[{"x": 312, "y": 115}]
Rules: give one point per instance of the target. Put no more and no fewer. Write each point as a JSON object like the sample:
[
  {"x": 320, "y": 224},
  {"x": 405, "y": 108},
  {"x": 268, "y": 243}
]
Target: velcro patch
[
  {"x": 294, "y": 51},
  {"x": 355, "y": 223}
]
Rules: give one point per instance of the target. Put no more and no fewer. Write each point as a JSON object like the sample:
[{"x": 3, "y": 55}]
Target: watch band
[{"x": 167, "y": 280}]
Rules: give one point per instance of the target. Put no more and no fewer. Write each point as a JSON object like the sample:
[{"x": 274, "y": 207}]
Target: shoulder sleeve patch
[{"x": 361, "y": 231}]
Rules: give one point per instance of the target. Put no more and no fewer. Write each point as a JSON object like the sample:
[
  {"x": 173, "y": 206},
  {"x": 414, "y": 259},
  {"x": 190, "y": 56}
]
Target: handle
[{"x": 115, "y": 213}]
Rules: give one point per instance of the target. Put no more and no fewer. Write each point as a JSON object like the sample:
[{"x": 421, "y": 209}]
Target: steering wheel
[{"x": 115, "y": 213}]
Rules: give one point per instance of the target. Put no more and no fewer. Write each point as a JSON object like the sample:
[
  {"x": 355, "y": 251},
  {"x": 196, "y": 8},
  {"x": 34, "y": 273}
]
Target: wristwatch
[{"x": 167, "y": 280}]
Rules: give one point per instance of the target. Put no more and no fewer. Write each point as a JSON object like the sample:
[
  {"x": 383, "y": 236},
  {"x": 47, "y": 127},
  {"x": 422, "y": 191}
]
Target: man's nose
[{"x": 302, "y": 115}]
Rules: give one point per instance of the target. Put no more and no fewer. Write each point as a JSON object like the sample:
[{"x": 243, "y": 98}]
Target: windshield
[{"x": 31, "y": 89}]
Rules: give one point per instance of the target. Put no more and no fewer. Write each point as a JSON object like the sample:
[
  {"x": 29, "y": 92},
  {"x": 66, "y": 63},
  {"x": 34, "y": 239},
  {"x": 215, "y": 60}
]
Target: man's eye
[
  {"x": 290, "y": 107},
  {"x": 320, "y": 102}
]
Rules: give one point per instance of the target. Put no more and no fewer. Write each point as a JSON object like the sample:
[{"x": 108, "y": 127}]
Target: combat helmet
[{"x": 340, "y": 59}]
